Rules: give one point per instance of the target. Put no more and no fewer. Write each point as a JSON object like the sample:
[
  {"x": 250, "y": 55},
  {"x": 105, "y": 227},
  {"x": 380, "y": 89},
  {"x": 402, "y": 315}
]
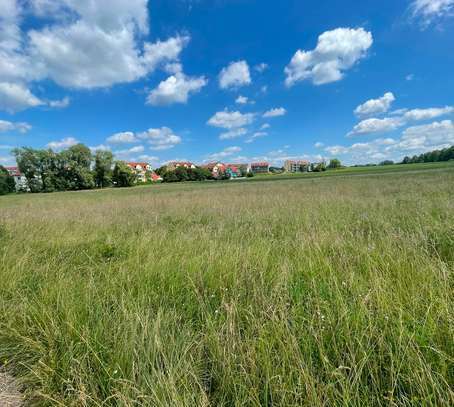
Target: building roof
[
  {"x": 13, "y": 171},
  {"x": 210, "y": 166},
  {"x": 297, "y": 161},
  {"x": 133, "y": 164},
  {"x": 181, "y": 163}
]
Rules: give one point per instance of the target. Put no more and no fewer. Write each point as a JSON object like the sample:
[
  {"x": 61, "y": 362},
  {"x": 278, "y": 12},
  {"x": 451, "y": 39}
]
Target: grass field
[{"x": 326, "y": 291}]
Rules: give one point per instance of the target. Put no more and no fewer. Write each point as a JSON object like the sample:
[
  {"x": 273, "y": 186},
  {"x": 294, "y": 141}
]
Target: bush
[{"x": 7, "y": 184}]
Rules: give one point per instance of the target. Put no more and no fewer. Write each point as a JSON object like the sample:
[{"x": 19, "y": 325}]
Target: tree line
[
  {"x": 75, "y": 168},
  {"x": 445, "y": 154}
]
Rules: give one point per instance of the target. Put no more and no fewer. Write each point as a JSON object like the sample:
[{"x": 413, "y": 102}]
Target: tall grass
[{"x": 322, "y": 292}]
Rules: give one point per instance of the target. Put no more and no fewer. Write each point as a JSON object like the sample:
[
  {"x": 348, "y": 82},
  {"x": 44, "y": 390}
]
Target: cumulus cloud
[
  {"x": 235, "y": 133},
  {"x": 336, "y": 51},
  {"x": 428, "y": 137},
  {"x": 127, "y": 152},
  {"x": 63, "y": 143},
  {"x": 376, "y": 106},
  {"x": 430, "y": 10},
  {"x": 414, "y": 140},
  {"x": 374, "y": 125},
  {"x": 100, "y": 147},
  {"x": 160, "y": 139},
  {"x": 231, "y": 120},
  {"x": 124, "y": 137},
  {"x": 319, "y": 144},
  {"x": 83, "y": 44},
  {"x": 243, "y": 100},
  {"x": 265, "y": 126},
  {"x": 60, "y": 104},
  {"x": 227, "y": 152},
  {"x": 427, "y": 114},
  {"x": 276, "y": 112},
  {"x": 15, "y": 97},
  {"x": 235, "y": 75},
  {"x": 175, "y": 89},
  {"x": 21, "y": 127}
]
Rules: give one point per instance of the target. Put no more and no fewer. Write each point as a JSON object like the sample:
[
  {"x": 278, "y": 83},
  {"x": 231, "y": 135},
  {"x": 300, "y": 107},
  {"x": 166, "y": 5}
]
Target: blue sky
[{"x": 229, "y": 80}]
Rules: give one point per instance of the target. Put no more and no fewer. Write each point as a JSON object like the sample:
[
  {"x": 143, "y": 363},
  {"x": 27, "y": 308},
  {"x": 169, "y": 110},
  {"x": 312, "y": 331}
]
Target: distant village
[{"x": 144, "y": 172}]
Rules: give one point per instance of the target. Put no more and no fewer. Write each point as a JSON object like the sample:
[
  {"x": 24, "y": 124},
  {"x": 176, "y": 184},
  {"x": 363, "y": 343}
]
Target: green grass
[
  {"x": 350, "y": 171},
  {"x": 330, "y": 291}
]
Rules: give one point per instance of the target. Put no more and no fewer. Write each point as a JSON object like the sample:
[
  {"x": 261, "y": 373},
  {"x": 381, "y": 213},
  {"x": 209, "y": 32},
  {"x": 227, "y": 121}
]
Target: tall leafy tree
[
  {"x": 103, "y": 168},
  {"x": 123, "y": 176}
]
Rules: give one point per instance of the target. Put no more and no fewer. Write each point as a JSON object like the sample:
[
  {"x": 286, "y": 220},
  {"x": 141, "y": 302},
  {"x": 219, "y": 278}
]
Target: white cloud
[
  {"x": 430, "y": 10},
  {"x": 60, "y": 104},
  {"x": 175, "y": 89},
  {"x": 100, "y": 147},
  {"x": 336, "y": 51},
  {"x": 231, "y": 120},
  {"x": 256, "y": 135},
  {"x": 261, "y": 67},
  {"x": 276, "y": 112},
  {"x": 430, "y": 113},
  {"x": 160, "y": 139},
  {"x": 319, "y": 144},
  {"x": 77, "y": 44},
  {"x": 265, "y": 126},
  {"x": 235, "y": 75},
  {"x": 148, "y": 158},
  {"x": 233, "y": 134},
  {"x": 122, "y": 138},
  {"x": 369, "y": 126},
  {"x": 21, "y": 127},
  {"x": 414, "y": 140},
  {"x": 129, "y": 151},
  {"x": 428, "y": 137},
  {"x": 376, "y": 106},
  {"x": 227, "y": 152},
  {"x": 243, "y": 100},
  {"x": 15, "y": 97},
  {"x": 410, "y": 77},
  {"x": 63, "y": 143}
]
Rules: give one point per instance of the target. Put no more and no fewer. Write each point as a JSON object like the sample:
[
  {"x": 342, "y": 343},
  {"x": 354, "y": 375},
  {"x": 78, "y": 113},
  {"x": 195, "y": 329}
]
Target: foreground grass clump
[{"x": 332, "y": 291}]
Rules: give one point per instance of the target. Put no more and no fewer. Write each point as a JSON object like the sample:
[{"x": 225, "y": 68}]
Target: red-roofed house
[
  {"x": 216, "y": 168},
  {"x": 141, "y": 170},
  {"x": 173, "y": 165},
  {"x": 233, "y": 171},
  {"x": 19, "y": 178},
  {"x": 260, "y": 168}
]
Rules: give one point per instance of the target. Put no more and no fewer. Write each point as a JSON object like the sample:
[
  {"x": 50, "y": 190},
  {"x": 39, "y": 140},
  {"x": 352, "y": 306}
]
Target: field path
[{"x": 9, "y": 394}]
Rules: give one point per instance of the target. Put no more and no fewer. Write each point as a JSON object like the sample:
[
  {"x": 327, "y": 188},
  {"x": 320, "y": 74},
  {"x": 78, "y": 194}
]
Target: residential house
[
  {"x": 19, "y": 178},
  {"x": 173, "y": 165},
  {"x": 141, "y": 169},
  {"x": 296, "y": 165},
  {"x": 260, "y": 168},
  {"x": 243, "y": 168},
  {"x": 216, "y": 168},
  {"x": 233, "y": 171}
]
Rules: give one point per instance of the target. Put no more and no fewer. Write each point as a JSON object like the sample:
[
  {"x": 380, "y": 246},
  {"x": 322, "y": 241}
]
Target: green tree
[
  {"x": 29, "y": 163},
  {"x": 334, "y": 164},
  {"x": 320, "y": 167},
  {"x": 103, "y": 168},
  {"x": 7, "y": 184},
  {"x": 77, "y": 172},
  {"x": 122, "y": 175}
]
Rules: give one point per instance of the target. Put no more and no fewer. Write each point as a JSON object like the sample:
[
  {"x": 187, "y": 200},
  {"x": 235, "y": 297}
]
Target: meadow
[{"x": 316, "y": 291}]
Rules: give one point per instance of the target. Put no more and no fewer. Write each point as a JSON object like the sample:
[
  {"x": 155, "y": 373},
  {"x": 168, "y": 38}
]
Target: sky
[{"x": 228, "y": 80}]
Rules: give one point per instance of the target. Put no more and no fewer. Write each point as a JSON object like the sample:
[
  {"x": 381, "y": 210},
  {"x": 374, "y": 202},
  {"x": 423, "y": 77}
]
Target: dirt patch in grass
[{"x": 10, "y": 395}]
